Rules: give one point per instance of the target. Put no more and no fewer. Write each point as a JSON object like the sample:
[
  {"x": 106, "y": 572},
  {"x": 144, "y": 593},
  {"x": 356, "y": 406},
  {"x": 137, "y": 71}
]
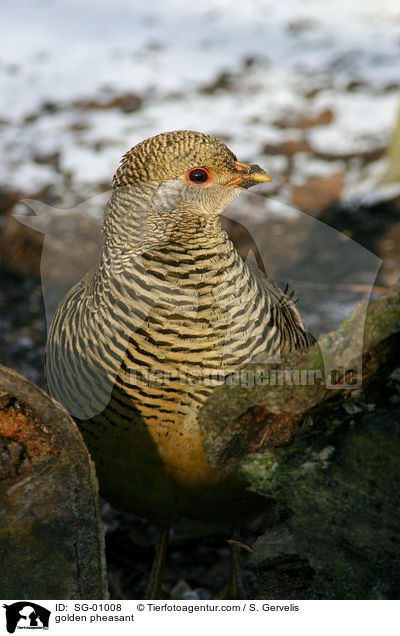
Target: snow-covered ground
[
  {"x": 306, "y": 88},
  {"x": 225, "y": 67}
]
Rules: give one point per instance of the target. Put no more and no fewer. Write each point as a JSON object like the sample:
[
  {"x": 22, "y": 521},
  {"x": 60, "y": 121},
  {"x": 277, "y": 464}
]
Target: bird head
[{"x": 195, "y": 173}]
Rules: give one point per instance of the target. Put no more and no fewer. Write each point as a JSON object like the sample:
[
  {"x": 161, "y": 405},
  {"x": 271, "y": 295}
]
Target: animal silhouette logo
[{"x": 26, "y": 615}]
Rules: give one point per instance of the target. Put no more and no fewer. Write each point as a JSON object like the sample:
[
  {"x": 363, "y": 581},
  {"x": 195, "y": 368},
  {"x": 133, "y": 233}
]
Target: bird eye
[{"x": 198, "y": 175}]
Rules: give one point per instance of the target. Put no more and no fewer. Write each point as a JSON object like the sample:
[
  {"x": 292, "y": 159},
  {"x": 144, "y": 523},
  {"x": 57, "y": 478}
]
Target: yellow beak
[{"x": 249, "y": 175}]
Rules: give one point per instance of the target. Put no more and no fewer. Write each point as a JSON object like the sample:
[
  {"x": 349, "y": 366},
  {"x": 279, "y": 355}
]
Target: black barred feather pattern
[
  {"x": 137, "y": 346},
  {"x": 179, "y": 306}
]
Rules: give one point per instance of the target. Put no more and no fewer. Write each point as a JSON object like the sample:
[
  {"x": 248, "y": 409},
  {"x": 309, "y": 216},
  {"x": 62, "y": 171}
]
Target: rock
[
  {"x": 128, "y": 103},
  {"x": 288, "y": 148},
  {"x": 318, "y": 193},
  {"x": 59, "y": 246},
  {"x": 223, "y": 82},
  {"x": 319, "y": 119},
  {"x": 51, "y": 537},
  {"x": 334, "y": 478},
  {"x": 8, "y": 198},
  {"x": 343, "y": 515},
  {"x": 20, "y": 248},
  {"x": 362, "y": 343},
  {"x": 306, "y": 121}
]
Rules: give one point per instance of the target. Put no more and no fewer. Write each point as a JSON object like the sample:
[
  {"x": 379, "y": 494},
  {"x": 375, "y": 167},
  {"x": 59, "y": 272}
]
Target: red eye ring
[{"x": 197, "y": 176}]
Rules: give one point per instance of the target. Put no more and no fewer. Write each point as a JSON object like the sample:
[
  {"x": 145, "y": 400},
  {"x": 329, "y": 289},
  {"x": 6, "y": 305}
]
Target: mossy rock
[{"x": 330, "y": 462}]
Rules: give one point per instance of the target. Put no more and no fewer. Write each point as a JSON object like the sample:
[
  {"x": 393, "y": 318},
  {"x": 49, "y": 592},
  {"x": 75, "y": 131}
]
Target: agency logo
[{"x": 26, "y": 615}]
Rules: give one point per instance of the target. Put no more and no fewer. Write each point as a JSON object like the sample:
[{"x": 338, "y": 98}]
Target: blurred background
[{"x": 307, "y": 89}]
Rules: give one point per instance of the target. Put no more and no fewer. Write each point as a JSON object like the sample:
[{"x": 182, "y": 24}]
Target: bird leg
[
  {"x": 154, "y": 587},
  {"x": 235, "y": 588}
]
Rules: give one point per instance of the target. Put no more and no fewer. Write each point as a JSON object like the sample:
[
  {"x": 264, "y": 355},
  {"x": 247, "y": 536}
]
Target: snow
[{"x": 54, "y": 53}]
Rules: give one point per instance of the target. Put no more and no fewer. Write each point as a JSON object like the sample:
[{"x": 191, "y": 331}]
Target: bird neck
[
  {"x": 133, "y": 224},
  {"x": 135, "y": 232},
  {"x": 195, "y": 230}
]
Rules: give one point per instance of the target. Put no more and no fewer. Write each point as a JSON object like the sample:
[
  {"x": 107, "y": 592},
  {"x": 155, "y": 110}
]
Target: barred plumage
[{"x": 171, "y": 310}]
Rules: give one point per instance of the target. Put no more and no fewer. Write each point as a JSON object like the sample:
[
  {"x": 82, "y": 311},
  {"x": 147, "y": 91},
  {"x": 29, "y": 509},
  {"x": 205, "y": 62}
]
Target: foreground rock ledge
[
  {"x": 51, "y": 538},
  {"x": 332, "y": 487}
]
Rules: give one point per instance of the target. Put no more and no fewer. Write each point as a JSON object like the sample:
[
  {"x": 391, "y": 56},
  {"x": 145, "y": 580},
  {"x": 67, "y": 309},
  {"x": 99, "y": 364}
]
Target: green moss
[
  {"x": 343, "y": 508},
  {"x": 259, "y": 471}
]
